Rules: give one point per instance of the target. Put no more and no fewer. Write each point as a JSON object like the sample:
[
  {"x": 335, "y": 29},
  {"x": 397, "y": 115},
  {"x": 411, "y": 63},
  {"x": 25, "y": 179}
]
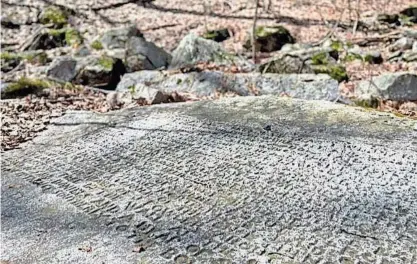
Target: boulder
[
  {"x": 399, "y": 86},
  {"x": 269, "y": 38},
  {"x": 194, "y": 49},
  {"x": 145, "y": 55},
  {"x": 210, "y": 83},
  {"x": 98, "y": 71},
  {"x": 129, "y": 45},
  {"x": 217, "y": 35}
]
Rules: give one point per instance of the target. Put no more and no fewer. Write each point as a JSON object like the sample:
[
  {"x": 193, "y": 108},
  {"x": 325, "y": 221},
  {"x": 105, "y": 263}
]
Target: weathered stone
[
  {"x": 118, "y": 99},
  {"x": 269, "y": 38},
  {"x": 217, "y": 35},
  {"x": 402, "y": 44},
  {"x": 149, "y": 94},
  {"x": 63, "y": 69},
  {"x": 395, "y": 56},
  {"x": 100, "y": 71},
  {"x": 399, "y": 86},
  {"x": 128, "y": 44},
  {"x": 229, "y": 181},
  {"x": 117, "y": 38},
  {"x": 144, "y": 55},
  {"x": 410, "y": 56},
  {"x": 307, "y": 86},
  {"x": 194, "y": 49},
  {"x": 97, "y": 71}
]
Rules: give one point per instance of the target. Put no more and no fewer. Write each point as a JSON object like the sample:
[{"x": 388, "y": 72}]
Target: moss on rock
[
  {"x": 96, "y": 45},
  {"x": 54, "y": 15},
  {"x": 24, "y": 86},
  {"x": 217, "y": 35},
  {"x": 106, "y": 62},
  {"x": 337, "y": 72},
  {"x": 73, "y": 37},
  {"x": 320, "y": 58},
  {"x": 270, "y": 38}
]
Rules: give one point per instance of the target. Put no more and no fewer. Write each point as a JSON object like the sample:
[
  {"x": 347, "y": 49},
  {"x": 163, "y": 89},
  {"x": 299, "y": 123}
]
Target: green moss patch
[
  {"x": 217, "y": 35},
  {"x": 32, "y": 57},
  {"x": 96, "y": 45},
  {"x": 54, "y": 15},
  {"x": 337, "y": 72},
  {"x": 106, "y": 62},
  {"x": 337, "y": 46},
  {"x": 320, "y": 59},
  {"x": 73, "y": 37},
  {"x": 23, "y": 87},
  {"x": 265, "y": 31}
]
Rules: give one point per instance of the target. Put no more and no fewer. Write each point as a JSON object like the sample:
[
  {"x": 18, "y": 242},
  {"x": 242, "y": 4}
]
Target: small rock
[
  {"x": 410, "y": 56},
  {"x": 399, "y": 86},
  {"x": 63, "y": 69},
  {"x": 402, "y": 44},
  {"x": 117, "y": 38},
  {"x": 149, "y": 94},
  {"x": 194, "y": 49},
  {"x": 116, "y": 100},
  {"x": 414, "y": 48}
]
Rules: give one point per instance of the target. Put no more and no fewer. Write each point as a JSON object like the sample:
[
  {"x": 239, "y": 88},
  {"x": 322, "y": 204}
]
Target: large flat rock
[{"x": 237, "y": 180}]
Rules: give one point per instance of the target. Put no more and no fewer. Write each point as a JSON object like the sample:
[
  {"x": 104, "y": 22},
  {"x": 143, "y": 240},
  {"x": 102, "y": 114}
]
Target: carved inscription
[{"x": 222, "y": 194}]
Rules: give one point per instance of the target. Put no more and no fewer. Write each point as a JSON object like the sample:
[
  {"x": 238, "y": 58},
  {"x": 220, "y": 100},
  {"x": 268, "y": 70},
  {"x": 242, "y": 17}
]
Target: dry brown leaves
[{"x": 22, "y": 119}]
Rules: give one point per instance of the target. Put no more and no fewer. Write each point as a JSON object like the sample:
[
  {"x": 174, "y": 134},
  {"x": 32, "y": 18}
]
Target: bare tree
[{"x": 253, "y": 39}]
